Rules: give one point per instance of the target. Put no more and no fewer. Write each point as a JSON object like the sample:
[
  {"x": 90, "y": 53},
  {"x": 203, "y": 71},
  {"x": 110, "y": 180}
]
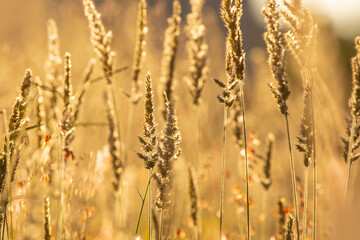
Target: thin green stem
[
  {"x": 306, "y": 190},
  {"x": 293, "y": 178},
  {"x": 226, "y": 109},
  {"x": 246, "y": 160},
  {"x": 143, "y": 203}
]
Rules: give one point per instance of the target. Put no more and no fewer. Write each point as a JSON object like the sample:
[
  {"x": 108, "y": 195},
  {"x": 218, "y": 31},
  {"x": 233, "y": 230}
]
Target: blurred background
[{"x": 23, "y": 44}]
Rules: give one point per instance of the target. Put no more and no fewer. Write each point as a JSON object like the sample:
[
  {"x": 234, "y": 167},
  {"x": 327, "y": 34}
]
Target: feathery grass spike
[
  {"x": 194, "y": 201},
  {"x": 148, "y": 142},
  {"x": 140, "y": 52},
  {"x": 305, "y": 141},
  {"x": 114, "y": 143},
  {"x": 352, "y": 143},
  {"x": 18, "y": 120},
  {"x": 277, "y": 63},
  {"x": 266, "y": 182},
  {"x": 197, "y": 50},
  {"x": 100, "y": 39},
  {"x": 169, "y": 53},
  {"x": 168, "y": 152},
  {"x": 290, "y": 228},
  {"x": 274, "y": 41}
]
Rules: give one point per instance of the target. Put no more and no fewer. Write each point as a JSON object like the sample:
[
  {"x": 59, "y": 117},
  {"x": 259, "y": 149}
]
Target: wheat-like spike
[
  {"x": 169, "y": 53},
  {"x": 236, "y": 122},
  {"x": 266, "y": 182},
  {"x": 67, "y": 81},
  {"x": 274, "y": 41},
  {"x": 302, "y": 34},
  {"x": 197, "y": 50},
  {"x": 231, "y": 15},
  {"x": 53, "y": 72},
  {"x": 352, "y": 129},
  {"x": 354, "y": 103},
  {"x": 148, "y": 143},
  {"x": 47, "y": 220},
  {"x": 18, "y": 120},
  {"x": 305, "y": 141},
  {"x": 290, "y": 228},
  {"x": 68, "y": 125},
  {"x": 282, "y": 218},
  {"x": 140, "y": 52},
  {"x": 194, "y": 197},
  {"x": 114, "y": 143},
  {"x": 100, "y": 39},
  {"x": 54, "y": 61},
  {"x": 40, "y": 112},
  {"x": 168, "y": 152}
]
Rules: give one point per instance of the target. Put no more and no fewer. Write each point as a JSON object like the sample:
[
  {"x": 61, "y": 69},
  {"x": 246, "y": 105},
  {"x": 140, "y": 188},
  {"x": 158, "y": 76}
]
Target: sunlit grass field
[{"x": 183, "y": 119}]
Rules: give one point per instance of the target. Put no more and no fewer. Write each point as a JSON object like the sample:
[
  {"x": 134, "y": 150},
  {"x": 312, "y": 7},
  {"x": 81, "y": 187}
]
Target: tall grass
[{"x": 63, "y": 141}]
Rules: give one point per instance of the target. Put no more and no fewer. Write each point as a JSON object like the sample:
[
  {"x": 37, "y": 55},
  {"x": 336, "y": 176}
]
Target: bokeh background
[{"x": 23, "y": 44}]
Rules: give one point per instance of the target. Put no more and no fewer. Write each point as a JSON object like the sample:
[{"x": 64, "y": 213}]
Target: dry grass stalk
[
  {"x": 10, "y": 156},
  {"x": 235, "y": 66},
  {"x": 266, "y": 182},
  {"x": 236, "y": 122},
  {"x": 282, "y": 219},
  {"x": 100, "y": 39},
  {"x": 302, "y": 34},
  {"x": 140, "y": 52},
  {"x": 276, "y": 50},
  {"x": 168, "y": 153},
  {"x": 197, "y": 50},
  {"x": 231, "y": 15},
  {"x": 305, "y": 141},
  {"x": 305, "y": 145},
  {"x": 277, "y": 63},
  {"x": 301, "y": 39},
  {"x": 148, "y": 143},
  {"x": 53, "y": 72},
  {"x": 114, "y": 143},
  {"x": 194, "y": 200},
  {"x": 290, "y": 228},
  {"x": 169, "y": 54},
  {"x": 47, "y": 220},
  {"x": 18, "y": 120},
  {"x": 40, "y": 109},
  {"x": 352, "y": 143}
]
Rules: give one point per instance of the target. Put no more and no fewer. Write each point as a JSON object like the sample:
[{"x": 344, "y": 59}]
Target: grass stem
[
  {"x": 143, "y": 203},
  {"x": 226, "y": 110},
  {"x": 306, "y": 191},
  {"x": 246, "y": 160},
  {"x": 293, "y": 178}
]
